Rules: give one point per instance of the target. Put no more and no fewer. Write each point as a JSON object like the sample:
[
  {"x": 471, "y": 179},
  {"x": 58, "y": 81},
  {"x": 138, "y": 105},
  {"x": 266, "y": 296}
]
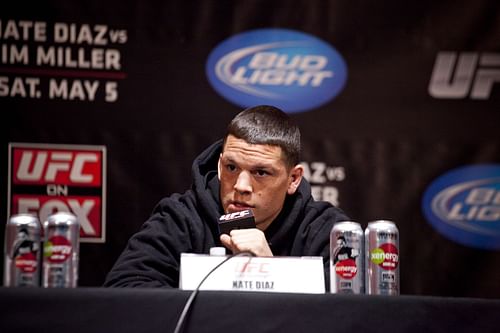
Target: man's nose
[{"x": 243, "y": 183}]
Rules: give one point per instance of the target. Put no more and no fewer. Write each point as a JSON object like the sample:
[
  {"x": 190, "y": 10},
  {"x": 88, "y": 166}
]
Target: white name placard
[{"x": 267, "y": 274}]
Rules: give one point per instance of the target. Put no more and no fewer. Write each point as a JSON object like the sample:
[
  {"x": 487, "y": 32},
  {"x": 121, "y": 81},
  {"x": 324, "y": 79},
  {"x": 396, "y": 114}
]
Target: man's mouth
[{"x": 236, "y": 206}]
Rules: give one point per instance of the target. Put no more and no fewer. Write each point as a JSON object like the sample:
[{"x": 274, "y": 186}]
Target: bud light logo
[
  {"x": 464, "y": 205},
  {"x": 288, "y": 69}
]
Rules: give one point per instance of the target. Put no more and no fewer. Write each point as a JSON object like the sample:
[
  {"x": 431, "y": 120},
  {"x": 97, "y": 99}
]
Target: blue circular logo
[
  {"x": 464, "y": 205},
  {"x": 285, "y": 68}
]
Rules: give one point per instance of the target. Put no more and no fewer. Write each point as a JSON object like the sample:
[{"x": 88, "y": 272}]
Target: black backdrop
[{"x": 384, "y": 138}]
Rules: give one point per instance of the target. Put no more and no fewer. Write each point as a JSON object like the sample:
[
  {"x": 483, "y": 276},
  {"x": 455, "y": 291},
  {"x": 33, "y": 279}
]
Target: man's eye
[
  {"x": 231, "y": 167},
  {"x": 261, "y": 173}
]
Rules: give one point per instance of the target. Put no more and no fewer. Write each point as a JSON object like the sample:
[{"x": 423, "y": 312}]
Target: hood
[{"x": 206, "y": 184}]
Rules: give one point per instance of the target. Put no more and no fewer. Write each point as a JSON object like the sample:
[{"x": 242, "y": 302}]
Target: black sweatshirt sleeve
[{"x": 152, "y": 256}]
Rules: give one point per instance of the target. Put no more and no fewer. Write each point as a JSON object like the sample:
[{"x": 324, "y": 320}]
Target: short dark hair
[{"x": 268, "y": 125}]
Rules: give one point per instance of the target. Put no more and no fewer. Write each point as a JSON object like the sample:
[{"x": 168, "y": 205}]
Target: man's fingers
[{"x": 226, "y": 241}]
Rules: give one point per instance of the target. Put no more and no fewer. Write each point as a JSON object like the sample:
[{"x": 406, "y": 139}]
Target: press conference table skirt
[{"x": 158, "y": 310}]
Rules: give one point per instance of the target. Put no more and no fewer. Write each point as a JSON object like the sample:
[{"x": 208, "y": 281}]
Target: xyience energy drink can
[
  {"x": 60, "y": 251},
  {"x": 346, "y": 258},
  {"x": 382, "y": 258},
  {"x": 22, "y": 251}
]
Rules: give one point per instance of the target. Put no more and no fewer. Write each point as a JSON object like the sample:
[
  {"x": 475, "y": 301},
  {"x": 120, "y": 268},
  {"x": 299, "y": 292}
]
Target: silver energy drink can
[
  {"x": 346, "y": 258},
  {"x": 22, "y": 251},
  {"x": 60, "y": 251},
  {"x": 382, "y": 258}
]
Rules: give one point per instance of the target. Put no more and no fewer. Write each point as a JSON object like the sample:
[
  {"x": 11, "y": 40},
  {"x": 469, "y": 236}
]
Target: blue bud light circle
[
  {"x": 289, "y": 69},
  {"x": 464, "y": 205}
]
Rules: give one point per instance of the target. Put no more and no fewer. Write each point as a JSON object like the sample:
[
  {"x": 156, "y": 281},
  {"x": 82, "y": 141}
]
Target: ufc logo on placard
[
  {"x": 61, "y": 167},
  {"x": 45, "y": 178}
]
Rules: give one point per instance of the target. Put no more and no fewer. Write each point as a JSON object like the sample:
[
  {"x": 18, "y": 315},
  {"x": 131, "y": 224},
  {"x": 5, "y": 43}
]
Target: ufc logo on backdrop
[
  {"x": 45, "y": 178},
  {"x": 467, "y": 74}
]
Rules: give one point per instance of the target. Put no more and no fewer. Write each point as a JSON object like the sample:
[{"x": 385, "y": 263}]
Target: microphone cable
[{"x": 187, "y": 307}]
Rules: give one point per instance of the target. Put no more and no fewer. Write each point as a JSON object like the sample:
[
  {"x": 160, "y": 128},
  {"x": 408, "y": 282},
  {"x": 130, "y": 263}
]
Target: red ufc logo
[
  {"x": 38, "y": 166},
  {"x": 252, "y": 268}
]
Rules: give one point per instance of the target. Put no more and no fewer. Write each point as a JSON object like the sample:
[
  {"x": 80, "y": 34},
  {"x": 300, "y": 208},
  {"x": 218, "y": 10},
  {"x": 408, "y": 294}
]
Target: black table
[{"x": 157, "y": 310}]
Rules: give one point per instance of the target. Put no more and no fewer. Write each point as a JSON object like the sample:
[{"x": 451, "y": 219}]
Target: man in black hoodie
[{"x": 255, "y": 167}]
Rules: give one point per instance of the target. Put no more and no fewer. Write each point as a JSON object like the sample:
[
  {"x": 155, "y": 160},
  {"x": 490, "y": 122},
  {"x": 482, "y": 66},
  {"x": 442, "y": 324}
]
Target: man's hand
[{"x": 252, "y": 240}]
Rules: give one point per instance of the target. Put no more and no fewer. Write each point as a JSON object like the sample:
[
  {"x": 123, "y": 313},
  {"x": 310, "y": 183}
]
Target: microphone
[{"x": 238, "y": 220}]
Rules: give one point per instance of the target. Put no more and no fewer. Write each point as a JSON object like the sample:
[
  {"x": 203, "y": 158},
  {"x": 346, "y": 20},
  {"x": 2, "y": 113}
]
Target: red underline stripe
[{"x": 64, "y": 73}]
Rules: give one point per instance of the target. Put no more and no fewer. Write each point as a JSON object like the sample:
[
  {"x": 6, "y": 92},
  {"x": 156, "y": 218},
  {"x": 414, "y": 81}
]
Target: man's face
[{"x": 255, "y": 177}]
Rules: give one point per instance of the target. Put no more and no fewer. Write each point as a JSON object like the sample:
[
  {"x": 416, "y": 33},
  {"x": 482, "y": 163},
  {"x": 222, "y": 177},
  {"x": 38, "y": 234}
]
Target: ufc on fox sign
[{"x": 45, "y": 178}]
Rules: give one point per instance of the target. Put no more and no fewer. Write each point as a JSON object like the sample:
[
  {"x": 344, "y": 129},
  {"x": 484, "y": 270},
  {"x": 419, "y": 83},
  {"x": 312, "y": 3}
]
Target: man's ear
[
  {"x": 218, "y": 166},
  {"x": 295, "y": 178}
]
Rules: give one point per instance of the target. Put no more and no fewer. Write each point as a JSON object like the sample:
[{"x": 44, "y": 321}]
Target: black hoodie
[{"x": 189, "y": 223}]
